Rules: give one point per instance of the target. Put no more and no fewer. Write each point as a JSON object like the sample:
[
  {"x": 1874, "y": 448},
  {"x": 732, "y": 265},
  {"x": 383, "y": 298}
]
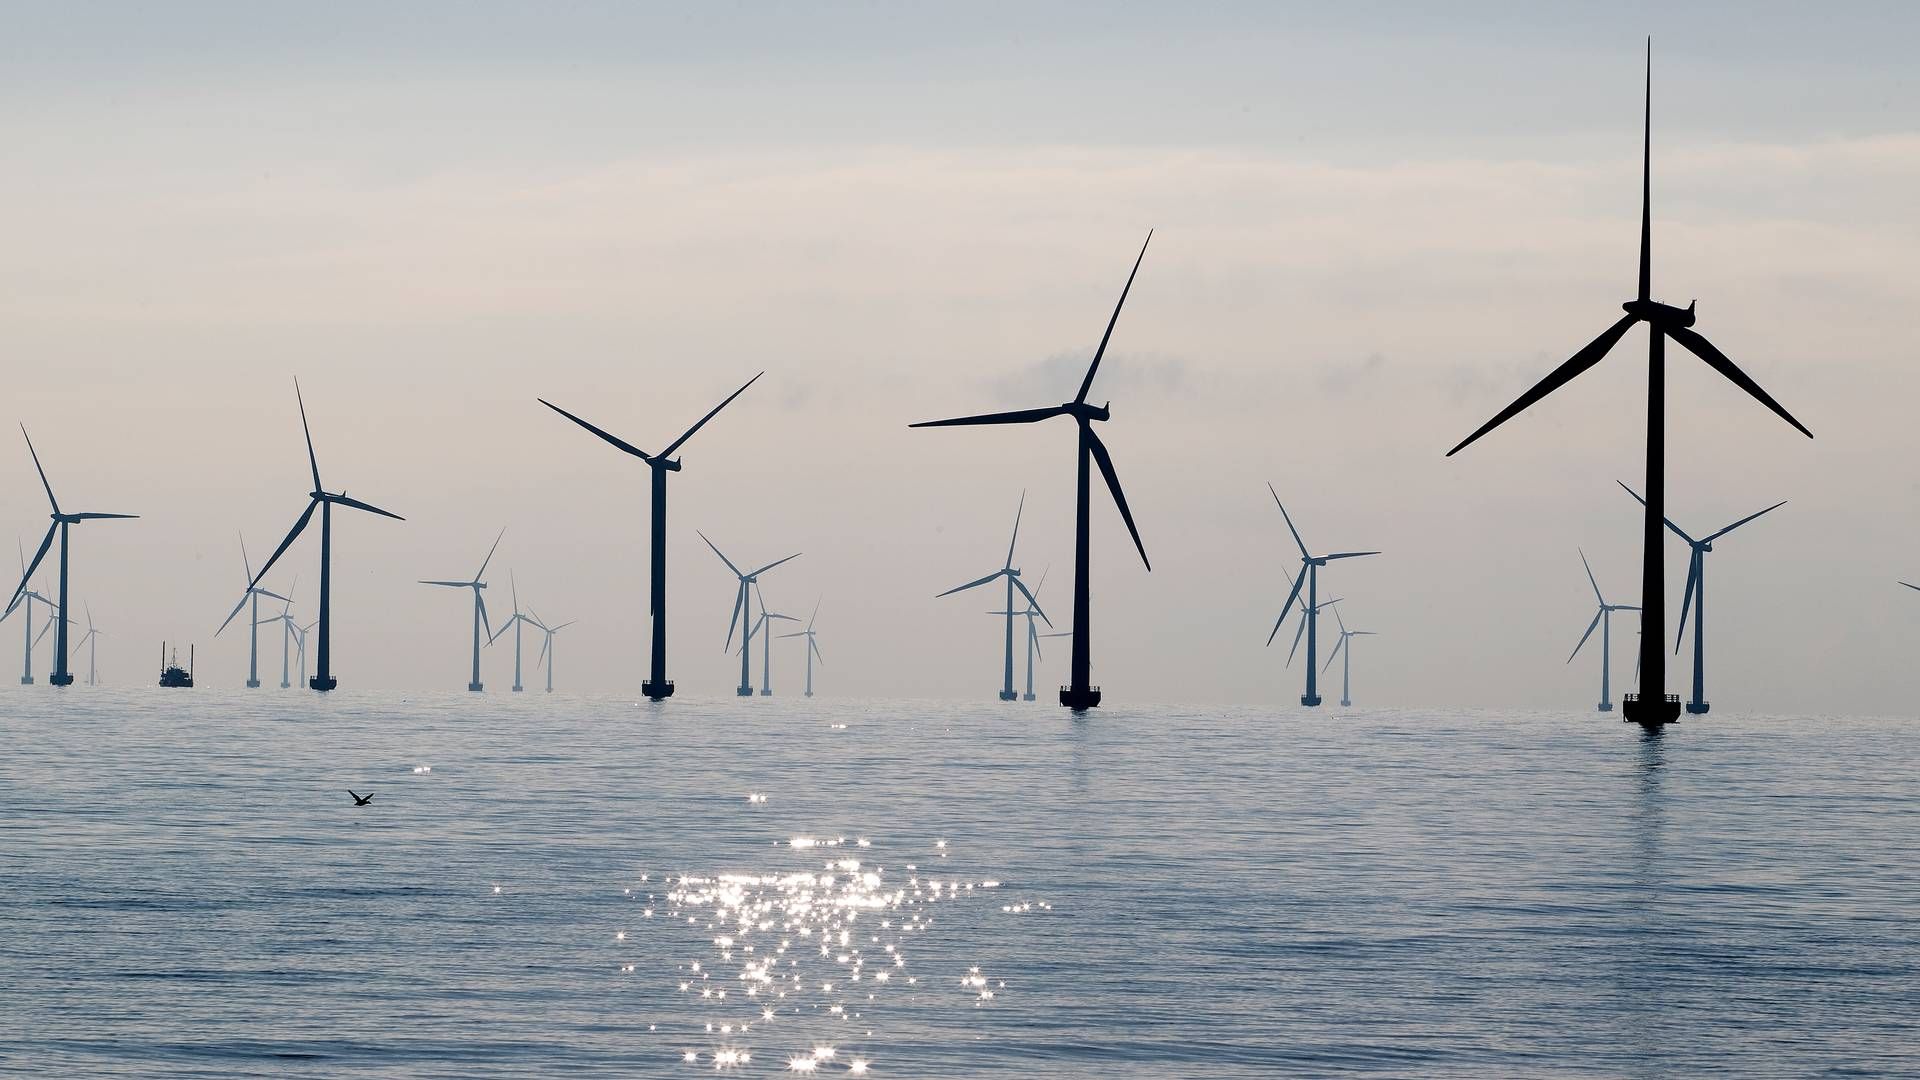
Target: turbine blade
[
  {"x": 1677, "y": 530},
  {"x": 739, "y": 597},
  {"x": 1031, "y": 599},
  {"x": 1558, "y": 377},
  {"x": 1583, "y": 637},
  {"x": 1105, "y": 462},
  {"x": 1021, "y": 509},
  {"x": 1646, "y": 185},
  {"x": 305, "y": 517},
  {"x": 1337, "y": 646},
  {"x": 723, "y": 558},
  {"x": 1590, "y": 581},
  {"x": 1743, "y": 521},
  {"x": 564, "y": 625},
  {"x": 35, "y": 564},
  {"x": 1288, "y": 606},
  {"x": 815, "y": 646},
  {"x": 1686, "y": 596},
  {"x": 542, "y": 661},
  {"x": 1718, "y": 361},
  {"x": 1086, "y": 384},
  {"x": 668, "y": 452},
  {"x": 773, "y": 564},
  {"x": 1347, "y": 555},
  {"x": 450, "y": 584},
  {"x": 971, "y": 584},
  {"x": 796, "y": 633},
  {"x": 234, "y": 612},
  {"x": 1033, "y": 638},
  {"x": 514, "y": 584},
  {"x": 100, "y": 517},
  {"x": 1910, "y": 585},
  {"x": 245, "y": 562},
  {"x": 1301, "y": 544},
  {"x": 308, "y": 431},
  {"x": 483, "y": 563},
  {"x": 1337, "y": 618},
  {"x": 480, "y": 601},
  {"x": 1022, "y": 416},
  {"x": 38, "y": 469},
  {"x": 1304, "y": 614},
  {"x": 815, "y": 615},
  {"x": 614, "y": 439},
  {"x": 368, "y": 507}
]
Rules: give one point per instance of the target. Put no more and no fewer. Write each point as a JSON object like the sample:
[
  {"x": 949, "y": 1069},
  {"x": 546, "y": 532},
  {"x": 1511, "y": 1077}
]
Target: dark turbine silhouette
[
  {"x": 1694, "y": 597},
  {"x": 1081, "y": 694},
  {"x": 1652, "y": 706},
  {"x": 1603, "y": 619},
  {"x": 740, "y": 600},
  {"x": 1012, "y": 575},
  {"x": 61, "y": 523},
  {"x": 516, "y": 620},
  {"x": 657, "y": 686},
  {"x": 323, "y": 500},
  {"x": 1310, "y": 565}
]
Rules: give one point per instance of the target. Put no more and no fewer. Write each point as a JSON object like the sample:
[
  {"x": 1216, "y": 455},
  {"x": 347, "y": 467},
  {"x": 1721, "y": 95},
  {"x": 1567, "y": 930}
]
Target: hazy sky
[{"x": 1376, "y": 226}]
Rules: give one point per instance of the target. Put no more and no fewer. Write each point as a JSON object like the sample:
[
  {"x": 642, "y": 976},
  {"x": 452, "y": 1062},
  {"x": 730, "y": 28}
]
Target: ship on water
[{"x": 171, "y": 673}]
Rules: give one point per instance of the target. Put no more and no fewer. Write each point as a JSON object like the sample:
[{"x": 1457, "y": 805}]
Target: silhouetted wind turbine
[
  {"x": 1346, "y": 667},
  {"x": 813, "y": 647},
  {"x": 762, "y": 626},
  {"x": 324, "y": 501},
  {"x": 740, "y": 601},
  {"x": 29, "y": 638},
  {"x": 1081, "y": 694},
  {"x": 91, "y": 639},
  {"x": 657, "y": 686},
  {"x": 1603, "y": 618},
  {"x": 1033, "y": 635},
  {"x": 1652, "y": 706},
  {"x": 1694, "y": 596},
  {"x": 1012, "y": 575},
  {"x": 515, "y": 620},
  {"x": 61, "y": 523},
  {"x": 1310, "y": 577},
  {"x": 252, "y": 595},
  {"x": 478, "y": 585},
  {"x": 546, "y": 647}
]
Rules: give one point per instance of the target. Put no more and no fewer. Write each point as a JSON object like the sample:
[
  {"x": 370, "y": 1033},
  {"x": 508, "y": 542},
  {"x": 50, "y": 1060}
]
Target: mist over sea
[{"x": 1150, "y": 891}]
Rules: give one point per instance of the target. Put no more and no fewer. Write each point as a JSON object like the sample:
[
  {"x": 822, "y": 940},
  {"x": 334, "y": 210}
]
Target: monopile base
[
  {"x": 60, "y": 678},
  {"x": 657, "y": 689},
  {"x": 1605, "y": 706},
  {"x": 1655, "y": 713},
  {"x": 26, "y": 680},
  {"x": 1697, "y": 708},
  {"x": 1310, "y": 700},
  {"x": 253, "y": 684},
  {"x": 744, "y": 691},
  {"x": 766, "y": 693},
  {"x": 1026, "y": 697},
  {"x": 1008, "y": 695},
  {"x": 476, "y": 687},
  {"x": 1080, "y": 698},
  {"x": 318, "y": 683},
  {"x": 517, "y": 688}
]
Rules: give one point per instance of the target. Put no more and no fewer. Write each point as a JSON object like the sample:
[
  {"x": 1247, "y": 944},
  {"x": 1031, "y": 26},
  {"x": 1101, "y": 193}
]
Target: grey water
[{"x": 185, "y": 889}]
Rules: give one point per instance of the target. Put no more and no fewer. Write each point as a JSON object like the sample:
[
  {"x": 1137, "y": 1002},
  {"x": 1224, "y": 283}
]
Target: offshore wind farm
[{"x": 900, "y": 800}]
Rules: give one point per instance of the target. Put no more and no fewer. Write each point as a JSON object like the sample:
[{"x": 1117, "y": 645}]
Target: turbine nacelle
[
  {"x": 1659, "y": 314},
  {"x": 1080, "y": 410}
]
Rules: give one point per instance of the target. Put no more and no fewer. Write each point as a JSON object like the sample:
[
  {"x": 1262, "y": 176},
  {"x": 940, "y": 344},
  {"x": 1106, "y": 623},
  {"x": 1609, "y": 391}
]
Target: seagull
[{"x": 360, "y": 800}]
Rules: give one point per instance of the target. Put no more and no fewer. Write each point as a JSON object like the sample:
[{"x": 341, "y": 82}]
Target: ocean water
[{"x": 186, "y": 890}]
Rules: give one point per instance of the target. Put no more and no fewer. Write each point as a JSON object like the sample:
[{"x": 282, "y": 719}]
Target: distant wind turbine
[
  {"x": 740, "y": 602},
  {"x": 289, "y": 632},
  {"x": 91, "y": 639},
  {"x": 1603, "y": 618},
  {"x": 516, "y": 620},
  {"x": 657, "y": 686},
  {"x": 1012, "y": 577},
  {"x": 29, "y": 638},
  {"x": 1346, "y": 667},
  {"x": 323, "y": 500},
  {"x": 1081, "y": 694},
  {"x": 813, "y": 646},
  {"x": 61, "y": 523},
  {"x": 762, "y": 626},
  {"x": 1694, "y": 597},
  {"x": 1031, "y": 612},
  {"x": 1310, "y": 577},
  {"x": 478, "y": 585},
  {"x": 546, "y": 647},
  {"x": 1652, "y": 706},
  {"x": 252, "y": 595}
]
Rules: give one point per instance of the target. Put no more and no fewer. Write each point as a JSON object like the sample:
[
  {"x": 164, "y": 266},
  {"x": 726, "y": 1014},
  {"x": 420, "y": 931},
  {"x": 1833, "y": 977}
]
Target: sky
[{"x": 1375, "y": 225}]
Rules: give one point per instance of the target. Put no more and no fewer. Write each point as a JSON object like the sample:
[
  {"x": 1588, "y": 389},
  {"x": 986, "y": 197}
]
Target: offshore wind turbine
[
  {"x": 1033, "y": 634},
  {"x": 546, "y": 647},
  {"x": 289, "y": 631},
  {"x": 1081, "y": 694},
  {"x": 1652, "y": 706},
  {"x": 1603, "y": 618},
  {"x": 62, "y": 522},
  {"x": 813, "y": 647},
  {"x": 91, "y": 639},
  {"x": 478, "y": 585},
  {"x": 1012, "y": 576},
  {"x": 29, "y": 639},
  {"x": 657, "y": 686},
  {"x": 1695, "y": 596},
  {"x": 764, "y": 624},
  {"x": 252, "y": 595},
  {"x": 747, "y": 581},
  {"x": 323, "y": 500},
  {"x": 1340, "y": 648},
  {"x": 516, "y": 620},
  {"x": 1310, "y": 565}
]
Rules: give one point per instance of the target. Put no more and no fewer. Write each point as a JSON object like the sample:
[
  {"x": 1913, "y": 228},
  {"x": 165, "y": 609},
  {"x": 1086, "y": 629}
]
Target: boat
[{"x": 171, "y": 673}]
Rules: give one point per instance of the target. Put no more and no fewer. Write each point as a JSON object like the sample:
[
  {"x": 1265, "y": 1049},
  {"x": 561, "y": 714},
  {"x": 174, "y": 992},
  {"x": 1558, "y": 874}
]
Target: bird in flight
[{"x": 360, "y": 800}]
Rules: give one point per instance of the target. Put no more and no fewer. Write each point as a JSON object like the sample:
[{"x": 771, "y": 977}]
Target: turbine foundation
[
  {"x": 476, "y": 687},
  {"x": 60, "y": 678},
  {"x": 318, "y": 683},
  {"x": 1697, "y": 708},
  {"x": 1310, "y": 700},
  {"x": 1008, "y": 695},
  {"x": 26, "y": 680},
  {"x": 1080, "y": 699},
  {"x": 657, "y": 689},
  {"x": 1665, "y": 710},
  {"x": 744, "y": 691},
  {"x": 1026, "y": 697},
  {"x": 253, "y": 684},
  {"x": 1605, "y": 706}
]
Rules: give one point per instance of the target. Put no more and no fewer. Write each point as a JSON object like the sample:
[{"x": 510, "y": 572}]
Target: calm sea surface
[{"x": 185, "y": 889}]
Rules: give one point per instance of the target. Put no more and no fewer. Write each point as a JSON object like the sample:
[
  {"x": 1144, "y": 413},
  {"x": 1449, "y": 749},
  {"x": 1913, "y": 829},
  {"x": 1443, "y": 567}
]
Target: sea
[{"x": 547, "y": 885}]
